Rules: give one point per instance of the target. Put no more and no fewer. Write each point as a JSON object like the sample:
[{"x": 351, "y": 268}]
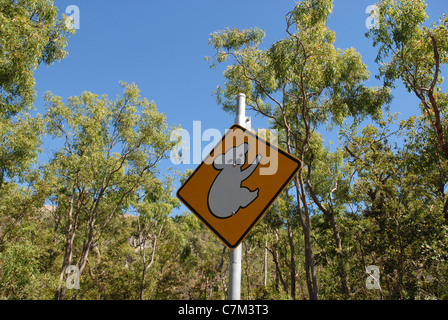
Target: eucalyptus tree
[
  {"x": 398, "y": 222},
  {"x": 152, "y": 223},
  {"x": 301, "y": 84},
  {"x": 107, "y": 164},
  {"x": 30, "y": 34},
  {"x": 416, "y": 54}
]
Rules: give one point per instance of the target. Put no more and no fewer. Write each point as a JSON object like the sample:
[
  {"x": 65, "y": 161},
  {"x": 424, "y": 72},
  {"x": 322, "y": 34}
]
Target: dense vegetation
[{"x": 380, "y": 197}]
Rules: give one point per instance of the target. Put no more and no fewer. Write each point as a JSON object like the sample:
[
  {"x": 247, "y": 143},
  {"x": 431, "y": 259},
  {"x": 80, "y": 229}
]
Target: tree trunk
[
  {"x": 311, "y": 280},
  {"x": 445, "y": 210},
  {"x": 292, "y": 268},
  {"x": 329, "y": 213},
  {"x": 310, "y": 272},
  {"x": 279, "y": 275},
  {"x": 265, "y": 263},
  {"x": 142, "y": 253},
  {"x": 142, "y": 282},
  {"x": 71, "y": 231},
  {"x": 340, "y": 257}
]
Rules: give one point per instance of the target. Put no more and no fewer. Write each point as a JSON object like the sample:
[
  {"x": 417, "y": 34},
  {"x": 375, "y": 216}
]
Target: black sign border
[{"x": 268, "y": 205}]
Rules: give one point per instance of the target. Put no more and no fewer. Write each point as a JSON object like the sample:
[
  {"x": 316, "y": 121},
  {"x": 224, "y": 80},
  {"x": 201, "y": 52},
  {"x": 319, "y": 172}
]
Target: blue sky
[{"x": 160, "y": 46}]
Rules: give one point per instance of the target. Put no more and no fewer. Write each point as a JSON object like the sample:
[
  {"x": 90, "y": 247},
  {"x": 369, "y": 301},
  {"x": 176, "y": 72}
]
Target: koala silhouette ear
[{"x": 218, "y": 163}]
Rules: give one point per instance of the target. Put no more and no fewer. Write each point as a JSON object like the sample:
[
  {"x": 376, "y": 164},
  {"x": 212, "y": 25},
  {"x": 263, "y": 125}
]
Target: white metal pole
[
  {"x": 235, "y": 274},
  {"x": 235, "y": 254}
]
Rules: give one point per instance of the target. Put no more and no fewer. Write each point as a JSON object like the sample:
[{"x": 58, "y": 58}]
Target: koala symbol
[{"x": 226, "y": 195}]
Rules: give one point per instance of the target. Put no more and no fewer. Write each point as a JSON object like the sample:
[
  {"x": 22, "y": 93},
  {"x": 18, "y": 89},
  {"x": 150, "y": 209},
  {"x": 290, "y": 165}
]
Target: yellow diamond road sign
[{"x": 236, "y": 183}]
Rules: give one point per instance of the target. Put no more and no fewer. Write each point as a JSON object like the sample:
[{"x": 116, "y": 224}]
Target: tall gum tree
[
  {"x": 107, "y": 164},
  {"x": 416, "y": 54},
  {"x": 301, "y": 84},
  {"x": 30, "y": 34}
]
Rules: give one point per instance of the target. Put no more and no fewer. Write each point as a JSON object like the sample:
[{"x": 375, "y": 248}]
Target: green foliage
[
  {"x": 20, "y": 145},
  {"x": 304, "y": 67},
  {"x": 416, "y": 54},
  {"x": 364, "y": 190},
  {"x": 108, "y": 164},
  {"x": 19, "y": 265},
  {"x": 30, "y": 34},
  {"x": 100, "y": 203}
]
